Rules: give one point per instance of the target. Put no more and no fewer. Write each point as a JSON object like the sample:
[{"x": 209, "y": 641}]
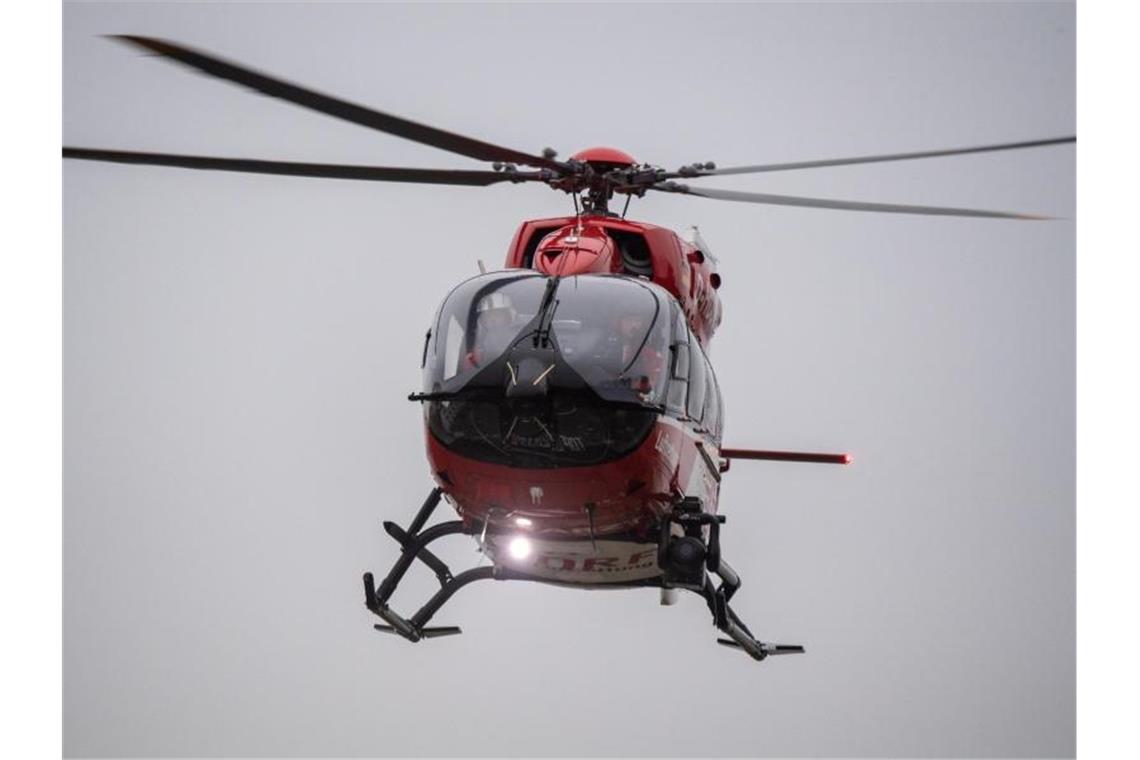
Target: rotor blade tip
[{"x": 153, "y": 44}]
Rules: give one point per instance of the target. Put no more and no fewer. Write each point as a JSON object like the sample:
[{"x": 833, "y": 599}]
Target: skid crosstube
[
  {"x": 688, "y": 514},
  {"x": 413, "y": 544}
]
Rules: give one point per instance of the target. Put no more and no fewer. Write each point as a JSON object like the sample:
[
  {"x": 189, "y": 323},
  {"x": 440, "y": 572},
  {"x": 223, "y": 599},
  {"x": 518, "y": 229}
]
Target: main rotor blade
[
  {"x": 873, "y": 159},
  {"x": 297, "y": 169},
  {"x": 792, "y": 200},
  {"x": 341, "y": 109}
]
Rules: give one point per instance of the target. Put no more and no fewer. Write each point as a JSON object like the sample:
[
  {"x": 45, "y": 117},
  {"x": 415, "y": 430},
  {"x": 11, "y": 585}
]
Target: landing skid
[
  {"x": 689, "y": 561},
  {"x": 698, "y": 558}
]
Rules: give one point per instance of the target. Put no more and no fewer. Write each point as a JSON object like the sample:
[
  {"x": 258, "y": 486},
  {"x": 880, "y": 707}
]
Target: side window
[
  {"x": 679, "y": 380},
  {"x": 712, "y": 405},
  {"x": 681, "y": 362},
  {"x": 452, "y": 347},
  {"x": 697, "y": 381},
  {"x": 679, "y": 365}
]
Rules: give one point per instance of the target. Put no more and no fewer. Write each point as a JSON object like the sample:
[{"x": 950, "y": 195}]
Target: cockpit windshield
[
  {"x": 609, "y": 333},
  {"x": 541, "y": 371}
]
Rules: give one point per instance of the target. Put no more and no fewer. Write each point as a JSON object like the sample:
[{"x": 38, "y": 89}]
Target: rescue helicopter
[{"x": 572, "y": 416}]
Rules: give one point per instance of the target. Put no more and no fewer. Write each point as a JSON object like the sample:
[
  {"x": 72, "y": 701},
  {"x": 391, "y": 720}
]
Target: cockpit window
[
  {"x": 547, "y": 372},
  {"x": 614, "y": 333},
  {"x": 479, "y": 321},
  {"x": 611, "y": 333}
]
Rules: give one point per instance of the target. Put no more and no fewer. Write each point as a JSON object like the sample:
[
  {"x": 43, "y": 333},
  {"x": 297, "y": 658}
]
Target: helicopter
[{"x": 572, "y": 417}]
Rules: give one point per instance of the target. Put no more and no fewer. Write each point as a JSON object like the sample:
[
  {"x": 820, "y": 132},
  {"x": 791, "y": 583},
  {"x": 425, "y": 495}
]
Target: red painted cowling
[
  {"x": 576, "y": 250},
  {"x": 604, "y": 155},
  {"x": 591, "y": 244}
]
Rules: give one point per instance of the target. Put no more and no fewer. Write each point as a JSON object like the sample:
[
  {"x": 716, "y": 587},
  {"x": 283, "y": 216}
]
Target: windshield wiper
[{"x": 546, "y": 311}]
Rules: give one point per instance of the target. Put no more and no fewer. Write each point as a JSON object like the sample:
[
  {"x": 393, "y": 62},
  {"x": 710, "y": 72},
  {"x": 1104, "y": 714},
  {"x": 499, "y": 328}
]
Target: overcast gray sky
[{"x": 238, "y": 351}]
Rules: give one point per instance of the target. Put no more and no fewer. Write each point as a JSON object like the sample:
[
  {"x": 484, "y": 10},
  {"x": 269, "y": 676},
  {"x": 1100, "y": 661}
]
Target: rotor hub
[{"x": 611, "y": 157}]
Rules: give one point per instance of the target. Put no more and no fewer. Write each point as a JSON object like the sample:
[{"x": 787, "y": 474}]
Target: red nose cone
[{"x": 604, "y": 155}]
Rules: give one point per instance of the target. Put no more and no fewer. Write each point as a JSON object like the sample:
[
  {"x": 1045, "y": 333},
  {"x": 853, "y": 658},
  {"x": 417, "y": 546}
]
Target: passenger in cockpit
[{"x": 643, "y": 364}]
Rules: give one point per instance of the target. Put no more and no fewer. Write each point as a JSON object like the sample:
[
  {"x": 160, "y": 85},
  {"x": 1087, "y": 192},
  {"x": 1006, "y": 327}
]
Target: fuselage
[{"x": 568, "y": 411}]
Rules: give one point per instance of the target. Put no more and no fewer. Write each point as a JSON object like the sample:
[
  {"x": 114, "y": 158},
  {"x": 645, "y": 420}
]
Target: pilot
[
  {"x": 648, "y": 362},
  {"x": 631, "y": 330},
  {"x": 494, "y": 319}
]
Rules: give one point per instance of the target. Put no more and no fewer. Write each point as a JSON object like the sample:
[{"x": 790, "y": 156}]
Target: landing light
[
  {"x": 519, "y": 547},
  {"x": 523, "y": 522}
]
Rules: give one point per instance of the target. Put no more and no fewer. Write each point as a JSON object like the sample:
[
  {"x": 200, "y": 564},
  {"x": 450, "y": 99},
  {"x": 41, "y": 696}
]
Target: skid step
[
  {"x": 767, "y": 649},
  {"x": 431, "y": 632}
]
